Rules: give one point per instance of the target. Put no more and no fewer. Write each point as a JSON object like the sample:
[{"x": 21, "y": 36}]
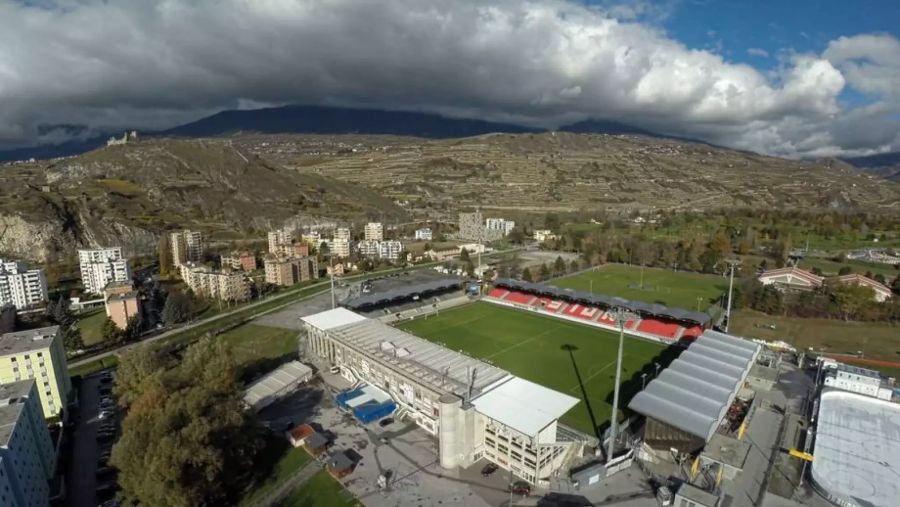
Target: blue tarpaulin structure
[{"x": 367, "y": 403}]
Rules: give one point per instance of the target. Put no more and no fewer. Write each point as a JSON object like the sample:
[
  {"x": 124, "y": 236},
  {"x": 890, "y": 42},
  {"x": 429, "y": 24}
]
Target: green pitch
[
  {"x": 531, "y": 346},
  {"x": 676, "y": 289}
]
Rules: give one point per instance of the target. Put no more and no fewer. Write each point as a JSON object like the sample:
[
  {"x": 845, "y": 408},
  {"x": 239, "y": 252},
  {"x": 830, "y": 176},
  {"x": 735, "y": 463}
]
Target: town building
[
  {"x": 312, "y": 238},
  {"x": 27, "y": 456},
  {"x": 38, "y": 354},
  {"x": 373, "y": 231},
  {"x": 390, "y": 250},
  {"x": 882, "y": 291},
  {"x": 239, "y": 261},
  {"x": 500, "y": 224},
  {"x": 858, "y": 380},
  {"x": 100, "y": 266},
  {"x": 121, "y": 303},
  {"x": 339, "y": 247},
  {"x": 791, "y": 278},
  {"x": 21, "y": 287},
  {"x": 544, "y": 235},
  {"x": 424, "y": 234},
  {"x": 287, "y": 271},
  {"x": 279, "y": 239},
  {"x": 342, "y": 233},
  {"x": 369, "y": 247},
  {"x": 471, "y": 226},
  {"x": 475, "y": 410},
  {"x": 224, "y": 285},
  {"x": 187, "y": 246}
]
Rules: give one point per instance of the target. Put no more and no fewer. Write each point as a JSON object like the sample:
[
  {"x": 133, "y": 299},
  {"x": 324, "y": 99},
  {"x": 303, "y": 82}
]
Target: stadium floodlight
[
  {"x": 621, "y": 316},
  {"x": 732, "y": 263}
]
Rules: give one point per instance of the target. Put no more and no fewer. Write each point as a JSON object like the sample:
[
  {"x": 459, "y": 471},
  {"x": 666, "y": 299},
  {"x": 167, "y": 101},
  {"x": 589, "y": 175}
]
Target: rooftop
[
  {"x": 19, "y": 342},
  {"x": 700, "y": 496},
  {"x": 14, "y": 390},
  {"x": 695, "y": 391},
  {"x": 11, "y": 407},
  {"x": 333, "y": 318},
  {"x": 275, "y": 381},
  {"x": 524, "y": 406},
  {"x": 857, "y": 448}
]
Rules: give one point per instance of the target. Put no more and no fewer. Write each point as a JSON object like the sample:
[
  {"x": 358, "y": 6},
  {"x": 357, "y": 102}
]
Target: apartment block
[
  {"x": 390, "y": 250},
  {"x": 100, "y": 266},
  {"x": 500, "y": 225},
  {"x": 287, "y": 271},
  {"x": 279, "y": 239},
  {"x": 374, "y": 231},
  {"x": 20, "y": 286},
  {"x": 342, "y": 233},
  {"x": 225, "y": 285},
  {"x": 424, "y": 234},
  {"x": 312, "y": 238},
  {"x": 37, "y": 354},
  {"x": 27, "y": 456},
  {"x": 339, "y": 247},
  {"x": 471, "y": 225},
  {"x": 239, "y": 261},
  {"x": 187, "y": 246},
  {"x": 369, "y": 247}
]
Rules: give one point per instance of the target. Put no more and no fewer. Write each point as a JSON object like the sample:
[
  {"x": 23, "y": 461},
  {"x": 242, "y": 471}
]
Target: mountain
[
  {"x": 886, "y": 165},
  {"x": 336, "y": 120}
]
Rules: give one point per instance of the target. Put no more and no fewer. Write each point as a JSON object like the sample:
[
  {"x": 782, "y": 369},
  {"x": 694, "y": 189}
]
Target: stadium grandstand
[
  {"x": 655, "y": 322},
  {"x": 476, "y": 410},
  {"x": 686, "y": 404},
  {"x": 417, "y": 291}
]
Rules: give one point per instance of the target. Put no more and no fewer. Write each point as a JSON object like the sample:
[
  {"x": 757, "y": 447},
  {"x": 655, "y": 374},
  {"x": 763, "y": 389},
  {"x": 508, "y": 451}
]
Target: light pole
[
  {"x": 622, "y": 316},
  {"x": 331, "y": 261},
  {"x": 657, "y": 369},
  {"x": 643, "y": 381},
  {"x": 731, "y": 264},
  {"x": 592, "y": 286}
]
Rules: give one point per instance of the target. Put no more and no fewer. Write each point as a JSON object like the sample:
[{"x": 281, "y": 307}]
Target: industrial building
[
  {"x": 475, "y": 410},
  {"x": 858, "y": 380},
  {"x": 857, "y": 450},
  {"x": 277, "y": 383},
  {"x": 21, "y": 287},
  {"x": 27, "y": 456},
  {"x": 101, "y": 266},
  {"x": 37, "y": 354},
  {"x": 689, "y": 400}
]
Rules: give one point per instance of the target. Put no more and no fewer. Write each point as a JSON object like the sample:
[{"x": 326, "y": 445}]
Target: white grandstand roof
[
  {"x": 333, "y": 318},
  {"x": 272, "y": 384},
  {"x": 857, "y": 448},
  {"x": 524, "y": 406},
  {"x": 433, "y": 365},
  {"x": 694, "y": 392}
]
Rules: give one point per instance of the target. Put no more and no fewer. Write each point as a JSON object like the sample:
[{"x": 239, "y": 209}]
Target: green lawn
[
  {"x": 91, "y": 325},
  {"x": 877, "y": 340},
  {"x": 530, "y": 346},
  {"x": 252, "y": 343},
  {"x": 322, "y": 490},
  {"x": 288, "y": 464},
  {"x": 676, "y": 289},
  {"x": 831, "y": 268}
]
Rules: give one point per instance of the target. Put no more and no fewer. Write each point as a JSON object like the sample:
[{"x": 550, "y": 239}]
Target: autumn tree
[{"x": 164, "y": 254}]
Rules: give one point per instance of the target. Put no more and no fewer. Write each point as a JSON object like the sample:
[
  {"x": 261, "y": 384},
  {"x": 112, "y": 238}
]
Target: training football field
[
  {"x": 679, "y": 289},
  {"x": 534, "y": 347}
]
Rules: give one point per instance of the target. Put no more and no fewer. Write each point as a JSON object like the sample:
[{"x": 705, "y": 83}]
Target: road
[{"x": 287, "y": 297}]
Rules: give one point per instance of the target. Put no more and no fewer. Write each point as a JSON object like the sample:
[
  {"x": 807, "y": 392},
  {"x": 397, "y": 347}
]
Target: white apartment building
[
  {"x": 390, "y": 250},
  {"x": 339, "y": 247},
  {"x": 100, "y": 266},
  {"x": 474, "y": 409},
  {"x": 38, "y": 354},
  {"x": 187, "y": 246},
  {"x": 312, "y": 238},
  {"x": 369, "y": 248},
  {"x": 27, "y": 456},
  {"x": 499, "y": 224},
  {"x": 342, "y": 233},
  {"x": 374, "y": 231},
  {"x": 424, "y": 234},
  {"x": 280, "y": 240},
  {"x": 543, "y": 235},
  {"x": 20, "y": 286},
  {"x": 222, "y": 285}
]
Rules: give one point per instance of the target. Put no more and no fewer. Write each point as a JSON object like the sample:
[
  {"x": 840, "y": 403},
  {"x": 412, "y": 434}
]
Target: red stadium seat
[
  {"x": 519, "y": 297},
  {"x": 659, "y": 328},
  {"x": 498, "y": 293}
]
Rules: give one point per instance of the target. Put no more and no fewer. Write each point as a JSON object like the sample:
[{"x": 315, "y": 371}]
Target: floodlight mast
[
  {"x": 732, "y": 263},
  {"x": 621, "y": 316}
]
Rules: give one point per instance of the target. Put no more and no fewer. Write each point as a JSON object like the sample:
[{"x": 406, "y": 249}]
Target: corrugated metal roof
[
  {"x": 333, "y": 318},
  {"x": 694, "y": 392},
  {"x": 404, "y": 292},
  {"x": 524, "y": 406},
  {"x": 274, "y": 382}
]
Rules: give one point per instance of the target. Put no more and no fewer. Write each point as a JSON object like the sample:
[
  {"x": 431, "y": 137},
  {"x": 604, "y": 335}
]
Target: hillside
[
  {"x": 886, "y": 165},
  {"x": 565, "y": 171},
  {"x": 127, "y": 195}
]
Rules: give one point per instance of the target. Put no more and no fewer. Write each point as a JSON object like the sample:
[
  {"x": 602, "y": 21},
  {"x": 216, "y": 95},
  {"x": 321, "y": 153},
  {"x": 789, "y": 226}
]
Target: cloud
[
  {"x": 762, "y": 53},
  {"x": 543, "y": 62}
]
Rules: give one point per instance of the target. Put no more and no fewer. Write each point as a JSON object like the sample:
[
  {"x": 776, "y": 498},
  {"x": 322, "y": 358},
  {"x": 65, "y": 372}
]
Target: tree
[
  {"x": 526, "y": 275},
  {"x": 463, "y": 254},
  {"x": 559, "y": 265},
  {"x": 551, "y": 221},
  {"x": 7, "y": 318},
  {"x": 72, "y": 338},
  {"x": 164, "y": 254},
  {"x": 845, "y": 270},
  {"x": 134, "y": 328},
  {"x": 178, "y": 308},
  {"x": 545, "y": 271},
  {"x": 517, "y": 235},
  {"x": 111, "y": 332},
  {"x": 470, "y": 268},
  {"x": 783, "y": 250},
  {"x": 896, "y": 285},
  {"x": 851, "y": 298},
  {"x": 187, "y": 438}
]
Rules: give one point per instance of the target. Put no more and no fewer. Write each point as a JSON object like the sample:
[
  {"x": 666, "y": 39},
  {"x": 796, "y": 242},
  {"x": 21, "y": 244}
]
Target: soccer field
[
  {"x": 532, "y": 346},
  {"x": 675, "y": 289}
]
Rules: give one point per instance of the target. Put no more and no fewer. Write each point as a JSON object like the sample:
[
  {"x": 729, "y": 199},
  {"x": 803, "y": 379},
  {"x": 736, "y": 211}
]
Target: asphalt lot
[{"x": 81, "y": 478}]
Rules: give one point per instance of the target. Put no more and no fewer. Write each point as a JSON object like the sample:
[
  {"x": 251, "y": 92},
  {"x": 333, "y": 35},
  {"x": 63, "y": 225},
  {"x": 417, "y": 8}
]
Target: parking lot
[{"x": 91, "y": 440}]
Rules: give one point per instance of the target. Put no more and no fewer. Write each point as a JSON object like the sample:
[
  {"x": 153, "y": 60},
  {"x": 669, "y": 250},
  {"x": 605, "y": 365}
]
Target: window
[{"x": 40, "y": 354}]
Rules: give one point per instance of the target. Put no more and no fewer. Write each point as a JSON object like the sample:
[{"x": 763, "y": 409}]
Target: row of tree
[{"x": 837, "y": 301}]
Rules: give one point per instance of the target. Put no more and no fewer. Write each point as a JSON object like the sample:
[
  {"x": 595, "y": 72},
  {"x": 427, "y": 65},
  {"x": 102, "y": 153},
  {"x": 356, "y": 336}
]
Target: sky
[{"x": 798, "y": 78}]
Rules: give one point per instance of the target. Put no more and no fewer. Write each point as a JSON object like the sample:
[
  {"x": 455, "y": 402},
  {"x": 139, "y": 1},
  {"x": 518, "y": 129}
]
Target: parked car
[
  {"x": 489, "y": 469},
  {"x": 521, "y": 488},
  {"x": 386, "y": 422}
]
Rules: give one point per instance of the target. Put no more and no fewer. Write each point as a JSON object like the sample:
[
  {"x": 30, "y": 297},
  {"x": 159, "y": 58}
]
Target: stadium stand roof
[
  {"x": 428, "y": 362},
  {"x": 524, "y": 406},
  {"x": 694, "y": 393},
  {"x": 273, "y": 384},
  {"x": 680, "y": 314},
  {"x": 333, "y": 318},
  {"x": 402, "y": 293}
]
